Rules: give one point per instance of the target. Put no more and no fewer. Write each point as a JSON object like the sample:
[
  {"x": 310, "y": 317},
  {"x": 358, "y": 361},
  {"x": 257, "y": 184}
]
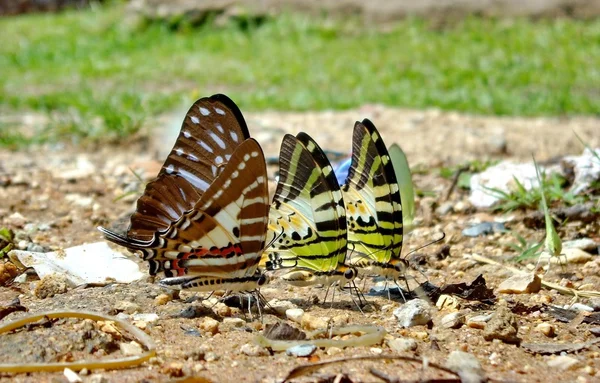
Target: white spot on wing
[
  {"x": 195, "y": 119},
  {"x": 205, "y": 146},
  {"x": 194, "y": 180},
  {"x": 219, "y": 128},
  {"x": 192, "y": 157},
  {"x": 217, "y": 140},
  {"x": 179, "y": 151},
  {"x": 204, "y": 111},
  {"x": 170, "y": 169},
  {"x": 220, "y": 111},
  {"x": 234, "y": 136},
  {"x": 219, "y": 160},
  {"x": 186, "y": 134}
]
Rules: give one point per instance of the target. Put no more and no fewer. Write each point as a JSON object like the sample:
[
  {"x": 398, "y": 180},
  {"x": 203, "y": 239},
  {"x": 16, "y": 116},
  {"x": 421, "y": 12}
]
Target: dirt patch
[{"x": 56, "y": 197}]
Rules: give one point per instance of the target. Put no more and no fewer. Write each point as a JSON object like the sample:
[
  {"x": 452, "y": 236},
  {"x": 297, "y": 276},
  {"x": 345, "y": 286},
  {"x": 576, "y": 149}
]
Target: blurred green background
[{"x": 97, "y": 75}]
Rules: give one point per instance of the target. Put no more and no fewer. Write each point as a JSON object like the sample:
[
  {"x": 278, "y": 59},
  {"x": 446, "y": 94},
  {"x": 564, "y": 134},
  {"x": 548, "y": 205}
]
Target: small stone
[
  {"x": 333, "y": 351},
  {"x": 209, "y": 325},
  {"x": 420, "y": 335},
  {"x": 294, "y": 315},
  {"x": 546, "y": 329},
  {"x": 131, "y": 348},
  {"x": 445, "y": 208},
  {"x": 253, "y": 350},
  {"x": 127, "y": 307},
  {"x": 281, "y": 306},
  {"x": 521, "y": 284},
  {"x": 402, "y": 344},
  {"x": 8, "y": 271},
  {"x": 413, "y": 313},
  {"x": 564, "y": 363},
  {"x": 222, "y": 310},
  {"x": 502, "y": 326},
  {"x": 162, "y": 299},
  {"x": 110, "y": 328},
  {"x": 311, "y": 322},
  {"x": 16, "y": 219},
  {"x": 484, "y": 228},
  {"x": 453, "y": 320},
  {"x": 467, "y": 367},
  {"x": 567, "y": 255},
  {"x": 585, "y": 244},
  {"x": 301, "y": 350},
  {"x": 478, "y": 321},
  {"x": 211, "y": 356},
  {"x": 376, "y": 350},
  {"x": 580, "y": 307},
  {"x": 447, "y": 302},
  {"x": 96, "y": 378},
  {"x": 234, "y": 322},
  {"x": 72, "y": 376},
  {"x": 51, "y": 285},
  {"x": 174, "y": 369}
]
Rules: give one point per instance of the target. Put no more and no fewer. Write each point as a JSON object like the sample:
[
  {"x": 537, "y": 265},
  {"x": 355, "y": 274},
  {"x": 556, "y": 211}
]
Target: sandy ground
[{"x": 62, "y": 193}]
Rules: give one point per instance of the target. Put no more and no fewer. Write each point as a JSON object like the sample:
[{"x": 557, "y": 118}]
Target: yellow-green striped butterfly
[
  {"x": 307, "y": 218},
  {"x": 373, "y": 206},
  {"x": 404, "y": 179}
]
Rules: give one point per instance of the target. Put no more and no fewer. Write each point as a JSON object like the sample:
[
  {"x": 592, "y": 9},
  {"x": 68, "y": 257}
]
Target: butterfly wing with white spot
[{"x": 212, "y": 129}]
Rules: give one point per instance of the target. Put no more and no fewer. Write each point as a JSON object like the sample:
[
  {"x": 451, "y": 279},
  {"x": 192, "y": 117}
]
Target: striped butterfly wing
[
  {"x": 372, "y": 198},
  {"x": 212, "y": 129},
  {"x": 307, "y": 215},
  {"x": 223, "y": 234}
]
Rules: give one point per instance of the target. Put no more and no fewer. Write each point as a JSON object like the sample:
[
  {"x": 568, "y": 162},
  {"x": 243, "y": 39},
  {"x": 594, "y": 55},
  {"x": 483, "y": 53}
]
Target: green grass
[
  {"x": 98, "y": 76},
  {"x": 521, "y": 198}
]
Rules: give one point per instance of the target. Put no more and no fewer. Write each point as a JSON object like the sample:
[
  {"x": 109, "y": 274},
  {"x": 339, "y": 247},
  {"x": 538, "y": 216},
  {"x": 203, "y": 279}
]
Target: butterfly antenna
[{"x": 427, "y": 244}]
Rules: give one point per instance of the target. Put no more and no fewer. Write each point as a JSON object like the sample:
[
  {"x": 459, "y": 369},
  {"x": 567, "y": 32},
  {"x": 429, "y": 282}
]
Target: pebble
[
  {"x": 16, "y": 219},
  {"x": 413, "y": 313},
  {"x": 149, "y": 317},
  {"x": 281, "y": 306},
  {"x": 478, "y": 321},
  {"x": 521, "y": 284},
  {"x": 222, "y": 310},
  {"x": 579, "y": 307},
  {"x": 311, "y": 322},
  {"x": 253, "y": 350},
  {"x": 211, "y": 356},
  {"x": 234, "y": 322},
  {"x": 301, "y": 350},
  {"x": 585, "y": 244},
  {"x": 131, "y": 348},
  {"x": 546, "y": 329},
  {"x": 402, "y": 344},
  {"x": 564, "y": 363},
  {"x": 96, "y": 378},
  {"x": 51, "y": 285},
  {"x": 447, "y": 302},
  {"x": 174, "y": 369},
  {"x": 209, "y": 325},
  {"x": 467, "y": 366},
  {"x": 573, "y": 255},
  {"x": 484, "y": 228},
  {"x": 445, "y": 208},
  {"x": 453, "y": 320},
  {"x": 162, "y": 299},
  {"x": 127, "y": 307},
  {"x": 8, "y": 271},
  {"x": 333, "y": 351},
  {"x": 71, "y": 376},
  {"x": 502, "y": 326},
  {"x": 294, "y": 315}
]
